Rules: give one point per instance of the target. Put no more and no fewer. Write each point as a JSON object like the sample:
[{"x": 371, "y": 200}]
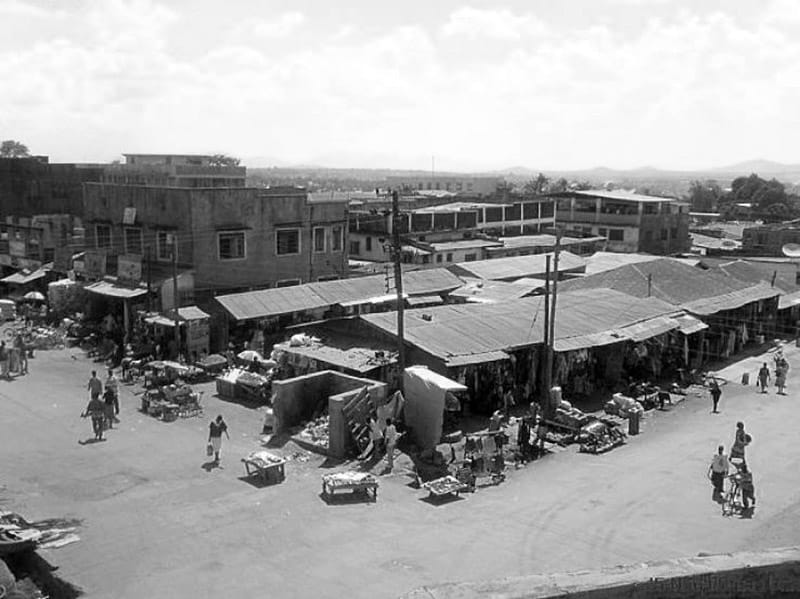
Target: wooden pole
[
  {"x": 398, "y": 283},
  {"x": 175, "y": 302},
  {"x": 544, "y": 368},
  {"x": 552, "y": 323}
]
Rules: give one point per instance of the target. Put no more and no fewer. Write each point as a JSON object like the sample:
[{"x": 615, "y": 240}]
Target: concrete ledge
[{"x": 773, "y": 573}]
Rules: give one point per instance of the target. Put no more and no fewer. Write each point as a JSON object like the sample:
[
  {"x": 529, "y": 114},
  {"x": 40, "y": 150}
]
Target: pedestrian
[
  {"x": 508, "y": 400},
  {"x": 718, "y": 470},
  {"x": 376, "y": 434},
  {"x": 96, "y": 410},
  {"x": 112, "y": 384},
  {"x": 745, "y": 479},
  {"x": 716, "y": 392},
  {"x": 4, "y": 357},
  {"x": 780, "y": 379},
  {"x": 95, "y": 386},
  {"x": 740, "y": 441},
  {"x": 19, "y": 343},
  {"x": 215, "y": 430},
  {"x": 763, "y": 378},
  {"x": 390, "y": 438},
  {"x": 108, "y": 401}
]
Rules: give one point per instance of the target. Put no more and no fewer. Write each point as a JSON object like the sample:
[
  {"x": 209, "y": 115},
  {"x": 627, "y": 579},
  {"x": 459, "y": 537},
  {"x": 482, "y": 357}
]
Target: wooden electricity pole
[
  {"x": 552, "y": 323},
  {"x": 175, "y": 302},
  {"x": 545, "y": 363},
  {"x": 398, "y": 283}
]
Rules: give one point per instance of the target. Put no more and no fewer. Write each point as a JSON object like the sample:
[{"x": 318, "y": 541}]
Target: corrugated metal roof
[
  {"x": 21, "y": 278},
  {"x": 464, "y": 244},
  {"x": 313, "y": 296},
  {"x": 425, "y": 300},
  {"x": 456, "y": 331},
  {"x": 649, "y": 328},
  {"x": 111, "y": 289},
  {"x": 732, "y": 300},
  {"x": 494, "y": 291},
  {"x": 619, "y": 195},
  {"x": 688, "y": 324},
  {"x": 517, "y": 266},
  {"x": 603, "y": 261},
  {"x": 788, "y": 300}
]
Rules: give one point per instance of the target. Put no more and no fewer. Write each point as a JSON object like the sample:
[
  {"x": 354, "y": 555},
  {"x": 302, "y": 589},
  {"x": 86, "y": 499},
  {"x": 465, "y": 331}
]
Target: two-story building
[
  {"x": 769, "y": 240},
  {"x": 220, "y": 239},
  {"x": 480, "y": 186},
  {"x": 174, "y": 170},
  {"x": 631, "y": 222}
]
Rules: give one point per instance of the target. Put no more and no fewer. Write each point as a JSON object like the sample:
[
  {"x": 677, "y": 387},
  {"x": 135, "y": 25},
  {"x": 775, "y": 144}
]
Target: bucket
[{"x": 746, "y": 378}]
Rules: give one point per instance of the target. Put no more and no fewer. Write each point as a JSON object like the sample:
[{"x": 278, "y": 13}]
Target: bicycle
[{"x": 732, "y": 502}]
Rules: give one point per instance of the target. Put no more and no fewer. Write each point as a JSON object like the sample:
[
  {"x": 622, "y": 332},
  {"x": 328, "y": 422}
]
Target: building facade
[
  {"x": 768, "y": 240},
  {"x": 480, "y": 186},
  {"x": 631, "y": 222},
  {"x": 174, "y": 170},
  {"x": 230, "y": 239}
]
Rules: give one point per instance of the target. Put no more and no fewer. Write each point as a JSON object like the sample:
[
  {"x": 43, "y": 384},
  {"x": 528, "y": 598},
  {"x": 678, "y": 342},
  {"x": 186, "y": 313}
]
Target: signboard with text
[
  {"x": 94, "y": 264},
  {"x": 129, "y": 216},
  {"x": 16, "y": 248}
]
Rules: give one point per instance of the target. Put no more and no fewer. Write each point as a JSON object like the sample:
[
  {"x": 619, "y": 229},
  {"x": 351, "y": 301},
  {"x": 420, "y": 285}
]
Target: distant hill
[{"x": 760, "y": 167}]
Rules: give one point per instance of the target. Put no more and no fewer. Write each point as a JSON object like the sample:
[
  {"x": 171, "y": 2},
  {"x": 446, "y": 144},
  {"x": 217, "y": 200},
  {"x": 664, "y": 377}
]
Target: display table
[
  {"x": 356, "y": 482},
  {"x": 266, "y": 465},
  {"x": 447, "y": 485}
]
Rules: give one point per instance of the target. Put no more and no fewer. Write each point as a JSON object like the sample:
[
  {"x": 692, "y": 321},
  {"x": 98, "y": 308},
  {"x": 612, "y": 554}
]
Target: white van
[{"x": 8, "y": 310}]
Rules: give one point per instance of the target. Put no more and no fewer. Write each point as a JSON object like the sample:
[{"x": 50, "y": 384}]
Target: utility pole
[
  {"x": 175, "y": 292},
  {"x": 149, "y": 280},
  {"x": 398, "y": 283},
  {"x": 552, "y": 323},
  {"x": 544, "y": 368}
]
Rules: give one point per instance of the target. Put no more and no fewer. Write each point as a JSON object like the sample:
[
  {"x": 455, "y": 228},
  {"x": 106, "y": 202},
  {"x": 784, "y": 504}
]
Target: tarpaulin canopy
[{"x": 111, "y": 289}]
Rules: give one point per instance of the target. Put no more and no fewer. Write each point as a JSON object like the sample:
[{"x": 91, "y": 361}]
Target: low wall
[
  {"x": 771, "y": 574},
  {"x": 340, "y": 440}
]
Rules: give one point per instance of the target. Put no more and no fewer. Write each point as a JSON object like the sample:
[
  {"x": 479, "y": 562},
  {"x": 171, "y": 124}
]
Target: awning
[
  {"x": 111, "y": 289},
  {"x": 378, "y": 299},
  {"x": 184, "y": 314},
  {"x": 689, "y": 324},
  {"x": 23, "y": 278},
  {"x": 586, "y": 341},
  {"x": 649, "y": 328},
  {"x": 788, "y": 300},
  {"x": 481, "y": 358},
  {"x": 410, "y": 249}
]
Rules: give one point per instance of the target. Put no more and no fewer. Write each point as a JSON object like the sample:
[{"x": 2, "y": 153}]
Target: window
[
  {"x": 648, "y": 236},
  {"x": 287, "y": 283},
  {"x": 231, "y": 245},
  {"x": 368, "y": 244},
  {"x": 287, "y": 242},
  {"x": 102, "y": 236},
  {"x": 439, "y": 257},
  {"x": 133, "y": 240},
  {"x": 602, "y": 231},
  {"x": 616, "y": 234},
  {"x": 164, "y": 240},
  {"x": 470, "y": 257},
  {"x": 336, "y": 241},
  {"x": 449, "y": 257},
  {"x": 319, "y": 239},
  {"x": 426, "y": 259},
  {"x": 664, "y": 234},
  {"x": 673, "y": 233},
  {"x": 328, "y": 278},
  {"x": 355, "y": 247}
]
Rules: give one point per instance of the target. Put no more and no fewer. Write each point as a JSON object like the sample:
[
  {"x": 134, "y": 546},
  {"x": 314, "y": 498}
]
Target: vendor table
[
  {"x": 266, "y": 465},
  {"x": 447, "y": 485},
  {"x": 357, "y": 482}
]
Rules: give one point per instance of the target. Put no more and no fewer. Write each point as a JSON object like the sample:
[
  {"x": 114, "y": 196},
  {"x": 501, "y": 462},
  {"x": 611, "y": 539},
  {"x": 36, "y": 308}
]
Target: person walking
[
  {"x": 4, "y": 357},
  {"x": 763, "y": 377},
  {"x": 745, "y": 478},
  {"x": 108, "y": 402},
  {"x": 19, "y": 343},
  {"x": 390, "y": 436},
  {"x": 740, "y": 441},
  {"x": 716, "y": 392},
  {"x": 96, "y": 410},
  {"x": 215, "y": 430},
  {"x": 780, "y": 378},
  {"x": 112, "y": 385},
  {"x": 94, "y": 386},
  {"x": 718, "y": 470}
]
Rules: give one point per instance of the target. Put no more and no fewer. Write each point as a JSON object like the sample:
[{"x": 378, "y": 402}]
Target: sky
[{"x": 468, "y": 86}]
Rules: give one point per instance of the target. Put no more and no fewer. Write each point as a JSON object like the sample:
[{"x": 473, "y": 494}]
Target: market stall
[
  {"x": 170, "y": 402},
  {"x": 194, "y": 329},
  {"x": 267, "y": 466},
  {"x": 237, "y": 383},
  {"x": 351, "y": 481}
]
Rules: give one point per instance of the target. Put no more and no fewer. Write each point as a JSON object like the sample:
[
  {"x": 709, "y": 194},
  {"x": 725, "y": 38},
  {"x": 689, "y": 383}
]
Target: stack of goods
[
  {"x": 443, "y": 486},
  {"x": 46, "y": 338},
  {"x": 598, "y": 436},
  {"x": 623, "y": 406},
  {"x": 317, "y": 431},
  {"x": 569, "y": 416},
  {"x": 351, "y": 477},
  {"x": 264, "y": 459},
  {"x": 240, "y": 384}
]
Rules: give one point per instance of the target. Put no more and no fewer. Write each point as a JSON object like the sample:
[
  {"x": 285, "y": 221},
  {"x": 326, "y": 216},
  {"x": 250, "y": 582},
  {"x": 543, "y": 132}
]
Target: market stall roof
[
  {"x": 517, "y": 267},
  {"x": 434, "y": 378},
  {"x": 424, "y": 300},
  {"x": 474, "y": 333},
  {"x": 603, "y": 261},
  {"x": 732, "y": 300},
  {"x": 356, "y": 358},
  {"x": 185, "y": 314},
  {"x": 24, "y": 277},
  {"x": 646, "y": 329},
  {"x": 688, "y": 324},
  {"x": 378, "y": 299},
  {"x": 788, "y": 300},
  {"x": 311, "y": 296},
  {"x": 113, "y": 289},
  {"x": 479, "y": 290}
]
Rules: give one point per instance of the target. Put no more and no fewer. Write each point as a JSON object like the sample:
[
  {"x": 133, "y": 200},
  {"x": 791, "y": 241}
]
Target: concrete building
[
  {"x": 174, "y": 170},
  {"x": 631, "y": 222},
  {"x": 228, "y": 239},
  {"x": 454, "y": 183},
  {"x": 768, "y": 240}
]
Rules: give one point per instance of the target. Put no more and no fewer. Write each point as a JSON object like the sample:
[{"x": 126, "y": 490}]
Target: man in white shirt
[
  {"x": 719, "y": 470},
  {"x": 390, "y": 436},
  {"x": 112, "y": 383}
]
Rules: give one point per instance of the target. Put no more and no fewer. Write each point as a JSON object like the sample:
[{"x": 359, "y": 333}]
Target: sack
[
  {"x": 747, "y": 439},
  {"x": 209, "y": 450}
]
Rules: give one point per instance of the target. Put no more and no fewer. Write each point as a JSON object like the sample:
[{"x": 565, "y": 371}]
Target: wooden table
[
  {"x": 355, "y": 482},
  {"x": 265, "y": 465},
  {"x": 447, "y": 485}
]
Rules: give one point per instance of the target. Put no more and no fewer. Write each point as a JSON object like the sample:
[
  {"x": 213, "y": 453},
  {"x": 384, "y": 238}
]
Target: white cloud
[
  {"x": 285, "y": 25},
  {"x": 18, "y": 8},
  {"x": 493, "y": 23}
]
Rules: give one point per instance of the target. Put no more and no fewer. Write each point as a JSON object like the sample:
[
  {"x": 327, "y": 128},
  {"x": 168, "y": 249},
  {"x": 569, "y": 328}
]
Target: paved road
[{"x": 155, "y": 523}]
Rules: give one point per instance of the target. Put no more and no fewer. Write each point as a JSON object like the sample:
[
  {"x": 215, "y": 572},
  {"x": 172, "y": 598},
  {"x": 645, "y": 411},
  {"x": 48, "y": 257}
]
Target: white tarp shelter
[{"x": 425, "y": 393}]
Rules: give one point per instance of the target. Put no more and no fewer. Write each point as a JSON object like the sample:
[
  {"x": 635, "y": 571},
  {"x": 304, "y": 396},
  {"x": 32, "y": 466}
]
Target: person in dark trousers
[
  {"x": 718, "y": 470},
  {"x": 112, "y": 385},
  {"x": 763, "y": 378},
  {"x": 96, "y": 410},
  {"x": 95, "y": 386},
  {"x": 108, "y": 400},
  {"x": 215, "y": 430},
  {"x": 716, "y": 392},
  {"x": 745, "y": 478}
]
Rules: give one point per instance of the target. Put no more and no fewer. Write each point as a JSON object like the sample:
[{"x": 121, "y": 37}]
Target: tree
[
  {"x": 536, "y": 186},
  {"x": 558, "y": 186},
  {"x": 13, "y": 149},
  {"x": 704, "y": 195},
  {"x": 224, "y": 160}
]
